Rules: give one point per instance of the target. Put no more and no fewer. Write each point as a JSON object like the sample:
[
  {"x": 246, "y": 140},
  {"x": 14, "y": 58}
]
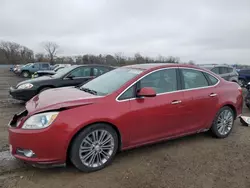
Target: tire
[
  {"x": 25, "y": 74},
  {"x": 242, "y": 82},
  {"x": 85, "y": 165},
  {"x": 247, "y": 105},
  {"x": 217, "y": 128},
  {"x": 43, "y": 89}
]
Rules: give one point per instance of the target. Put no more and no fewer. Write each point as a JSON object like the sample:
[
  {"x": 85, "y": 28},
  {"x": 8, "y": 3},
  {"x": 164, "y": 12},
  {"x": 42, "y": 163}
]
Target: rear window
[
  {"x": 45, "y": 65},
  {"x": 215, "y": 70},
  {"x": 212, "y": 79},
  {"x": 229, "y": 70},
  {"x": 223, "y": 70}
]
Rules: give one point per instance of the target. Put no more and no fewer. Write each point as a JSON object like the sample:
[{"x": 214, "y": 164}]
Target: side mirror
[
  {"x": 33, "y": 66},
  {"x": 70, "y": 77},
  {"x": 146, "y": 92}
]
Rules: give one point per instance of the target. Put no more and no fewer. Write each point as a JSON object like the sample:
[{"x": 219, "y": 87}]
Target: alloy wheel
[
  {"x": 225, "y": 122},
  {"x": 96, "y": 148},
  {"x": 25, "y": 74}
]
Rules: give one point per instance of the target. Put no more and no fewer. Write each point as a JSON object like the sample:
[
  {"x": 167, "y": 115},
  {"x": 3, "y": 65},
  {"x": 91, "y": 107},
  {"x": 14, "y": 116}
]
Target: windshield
[
  {"x": 27, "y": 65},
  {"x": 111, "y": 81},
  {"x": 62, "y": 72}
]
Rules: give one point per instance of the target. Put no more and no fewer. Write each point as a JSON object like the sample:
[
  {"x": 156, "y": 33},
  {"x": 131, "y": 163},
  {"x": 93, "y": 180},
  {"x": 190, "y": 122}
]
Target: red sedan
[{"x": 125, "y": 108}]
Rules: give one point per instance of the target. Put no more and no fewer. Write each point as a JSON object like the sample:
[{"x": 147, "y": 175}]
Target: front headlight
[
  {"x": 40, "y": 121},
  {"x": 25, "y": 86}
]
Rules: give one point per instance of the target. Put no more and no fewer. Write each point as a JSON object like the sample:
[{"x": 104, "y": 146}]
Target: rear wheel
[
  {"x": 25, "y": 74},
  {"x": 94, "y": 148},
  {"x": 247, "y": 105},
  {"x": 223, "y": 122}
]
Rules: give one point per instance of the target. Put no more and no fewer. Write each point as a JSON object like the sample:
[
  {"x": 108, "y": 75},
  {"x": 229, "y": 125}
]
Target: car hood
[
  {"x": 34, "y": 80},
  {"x": 59, "y": 98}
]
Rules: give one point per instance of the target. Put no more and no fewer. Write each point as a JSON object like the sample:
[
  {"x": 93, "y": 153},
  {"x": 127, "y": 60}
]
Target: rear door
[
  {"x": 200, "y": 98},
  {"x": 77, "y": 76}
]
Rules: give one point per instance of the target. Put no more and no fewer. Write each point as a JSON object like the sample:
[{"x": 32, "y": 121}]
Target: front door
[
  {"x": 155, "y": 118},
  {"x": 78, "y": 76}
]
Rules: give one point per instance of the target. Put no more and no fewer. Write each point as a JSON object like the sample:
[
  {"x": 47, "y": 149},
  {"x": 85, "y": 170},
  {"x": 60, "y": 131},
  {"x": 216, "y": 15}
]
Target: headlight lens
[
  {"x": 40, "y": 121},
  {"x": 25, "y": 86}
]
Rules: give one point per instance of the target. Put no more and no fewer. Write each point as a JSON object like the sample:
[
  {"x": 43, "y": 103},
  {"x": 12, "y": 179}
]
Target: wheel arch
[
  {"x": 84, "y": 127},
  {"x": 42, "y": 87},
  {"x": 232, "y": 107}
]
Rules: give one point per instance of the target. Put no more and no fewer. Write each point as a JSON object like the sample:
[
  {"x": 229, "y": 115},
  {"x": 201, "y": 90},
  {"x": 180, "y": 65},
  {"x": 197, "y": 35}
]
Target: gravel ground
[{"x": 194, "y": 161}]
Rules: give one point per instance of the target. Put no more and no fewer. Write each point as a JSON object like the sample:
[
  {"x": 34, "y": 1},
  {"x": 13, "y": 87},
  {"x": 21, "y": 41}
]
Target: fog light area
[{"x": 25, "y": 152}]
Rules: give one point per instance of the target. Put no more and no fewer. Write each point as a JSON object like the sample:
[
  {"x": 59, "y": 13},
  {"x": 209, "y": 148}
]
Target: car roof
[
  {"x": 148, "y": 66},
  {"x": 42, "y": 62},
  {"x": 215, "y": 65},
  {"x": 92, "y": 65}
]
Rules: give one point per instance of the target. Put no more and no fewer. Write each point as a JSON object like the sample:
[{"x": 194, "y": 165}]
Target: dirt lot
[{"x": 194, "y": 161}]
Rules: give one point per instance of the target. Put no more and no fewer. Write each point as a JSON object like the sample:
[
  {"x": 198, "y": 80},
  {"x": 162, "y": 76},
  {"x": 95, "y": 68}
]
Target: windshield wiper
[{"x": 88, "y": 90}]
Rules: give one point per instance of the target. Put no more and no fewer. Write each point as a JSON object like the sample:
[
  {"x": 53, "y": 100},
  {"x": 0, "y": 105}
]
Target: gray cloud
[{"x": 206, "y": 31}]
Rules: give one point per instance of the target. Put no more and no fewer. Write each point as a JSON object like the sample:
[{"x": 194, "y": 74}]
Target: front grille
[{"x": 17, "y": 117}]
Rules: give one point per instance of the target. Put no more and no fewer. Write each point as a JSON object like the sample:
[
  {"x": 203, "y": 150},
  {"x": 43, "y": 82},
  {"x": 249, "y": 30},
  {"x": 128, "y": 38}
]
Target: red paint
[
  {"x": 146, "y": 92},
  {"x": 139, "y": 121}
]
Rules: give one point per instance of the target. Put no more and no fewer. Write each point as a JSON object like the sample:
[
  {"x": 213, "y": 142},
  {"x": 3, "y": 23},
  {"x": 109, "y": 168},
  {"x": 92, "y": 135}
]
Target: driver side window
[
  {"x": 81, "y": 72},
  {"x": 161, "y": 81}
]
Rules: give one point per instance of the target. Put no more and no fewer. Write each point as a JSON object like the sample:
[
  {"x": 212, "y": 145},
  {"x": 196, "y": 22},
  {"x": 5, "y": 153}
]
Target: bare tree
[
  {"x": 40, "y": 57},
  {"x": 138, "y": 58},
  {"x": 119, "y": 57},
  {"x": 14, "y": 53},
  {"x": 26, "y": 54},
  {"x": 51, "y": 48},
  {"x": 10, "y": 50}
]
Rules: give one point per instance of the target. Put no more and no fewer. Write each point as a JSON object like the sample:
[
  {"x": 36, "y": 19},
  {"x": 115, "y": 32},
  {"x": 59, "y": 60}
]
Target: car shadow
[{"x": 124, "y": 155}]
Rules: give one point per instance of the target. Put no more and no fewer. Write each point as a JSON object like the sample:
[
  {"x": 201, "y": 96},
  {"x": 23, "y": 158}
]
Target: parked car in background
[
  {"x": 244, "y": 77},
  {"x": 27, "y": 70},
  {"x": 124, "y": 108},
  {"x": 12, "y": 68},
  {"x": 69, "y": 76},
  {"x": 17, "y": 68},
  {"x": 225, "y": 71},
  {"x": 247, "y": 98},
  {"x": 50, "y": 72}
]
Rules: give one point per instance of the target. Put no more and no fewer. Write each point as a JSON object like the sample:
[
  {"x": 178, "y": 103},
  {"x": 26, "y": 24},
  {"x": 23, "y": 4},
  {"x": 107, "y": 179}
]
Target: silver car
[{"x": 227, "y": 72}]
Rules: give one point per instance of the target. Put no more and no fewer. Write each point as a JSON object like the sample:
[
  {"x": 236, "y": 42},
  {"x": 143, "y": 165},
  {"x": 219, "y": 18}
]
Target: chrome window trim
[
  {"x": 170, "y": 91},
  {"x": 65, "y": 76}
]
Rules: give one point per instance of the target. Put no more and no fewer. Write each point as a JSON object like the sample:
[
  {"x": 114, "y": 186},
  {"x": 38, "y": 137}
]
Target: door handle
[
  {"x": 176, "y": 102},
  {"x": 213, "y": 95}
]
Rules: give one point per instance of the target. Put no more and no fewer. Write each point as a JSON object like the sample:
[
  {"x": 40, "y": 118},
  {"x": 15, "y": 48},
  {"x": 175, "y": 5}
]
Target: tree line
[{"x": 14, "y": 53}]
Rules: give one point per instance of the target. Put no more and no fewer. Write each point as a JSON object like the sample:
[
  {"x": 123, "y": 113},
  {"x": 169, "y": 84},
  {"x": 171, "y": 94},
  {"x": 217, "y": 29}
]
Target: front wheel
[
  {"x": 223, "y": 122},
  {"x": 94, "y": 148},
  {"x": 25, "y": 74}
]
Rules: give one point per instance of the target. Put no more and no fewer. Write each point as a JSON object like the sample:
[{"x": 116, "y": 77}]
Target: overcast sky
[{"x": 206, "y": 31}]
